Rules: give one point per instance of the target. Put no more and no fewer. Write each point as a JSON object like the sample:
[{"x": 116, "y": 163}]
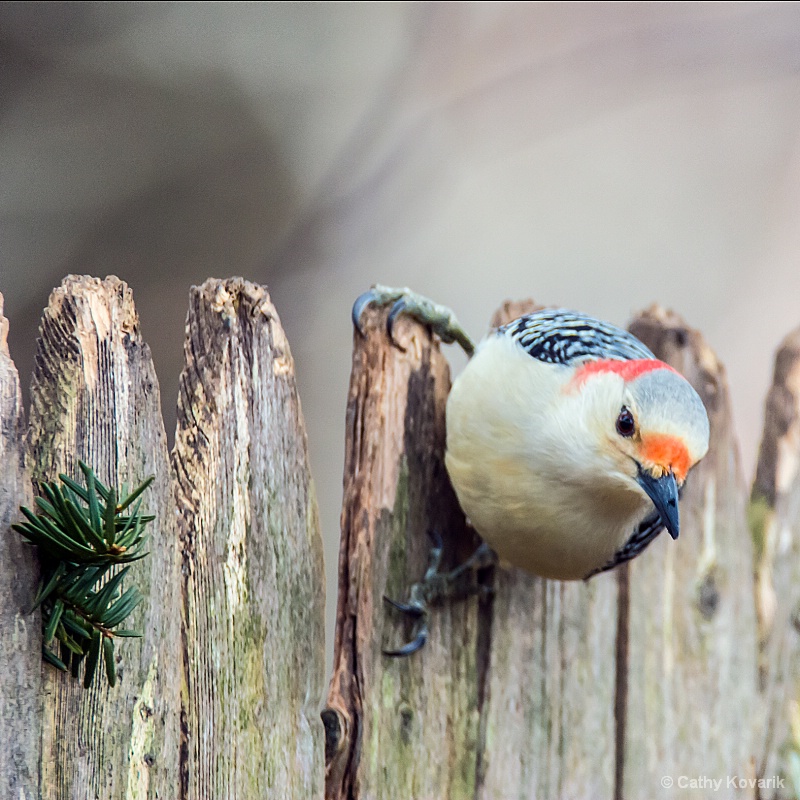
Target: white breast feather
[{"x": 523, "y": 459}]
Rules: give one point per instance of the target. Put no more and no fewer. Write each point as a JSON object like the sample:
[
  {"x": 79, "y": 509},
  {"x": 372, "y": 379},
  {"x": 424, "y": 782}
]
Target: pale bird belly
[{"x": 551, "y": 530}]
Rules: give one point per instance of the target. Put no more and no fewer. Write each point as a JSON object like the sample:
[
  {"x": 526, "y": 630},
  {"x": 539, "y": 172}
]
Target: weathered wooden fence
[
  {"x": 645, "y": 683},
  {"x": 221, "y": 697}
]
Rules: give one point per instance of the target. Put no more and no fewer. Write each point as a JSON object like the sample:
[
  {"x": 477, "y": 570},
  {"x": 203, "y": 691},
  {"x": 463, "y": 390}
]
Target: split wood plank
[
  {"x": 691, "y": 633},
  {"x": 775, "y": 520},
  {"x": 20, "y": 631},
  {"x": 95, "y": 398},
  {"x": 252, "y": 577}
]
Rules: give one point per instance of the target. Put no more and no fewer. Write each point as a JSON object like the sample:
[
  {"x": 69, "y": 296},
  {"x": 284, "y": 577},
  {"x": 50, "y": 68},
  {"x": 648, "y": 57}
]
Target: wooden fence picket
[
  {"x": 20, "y": 632},
  {"x": 683, "y": 665},
  {"x": 252, "y": 581}
]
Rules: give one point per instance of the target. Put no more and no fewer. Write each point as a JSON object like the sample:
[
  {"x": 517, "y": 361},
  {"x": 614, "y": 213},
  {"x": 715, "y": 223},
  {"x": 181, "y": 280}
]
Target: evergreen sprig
[{"x": 82, "y": 534}]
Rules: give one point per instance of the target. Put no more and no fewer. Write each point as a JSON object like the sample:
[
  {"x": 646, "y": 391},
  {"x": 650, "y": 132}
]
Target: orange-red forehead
[
  {"x": 627, "y": 370},
  {"x": 667, "y": 452}
]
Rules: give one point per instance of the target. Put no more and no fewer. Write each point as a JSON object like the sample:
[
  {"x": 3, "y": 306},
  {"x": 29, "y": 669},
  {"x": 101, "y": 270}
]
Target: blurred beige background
[{"x": 595, "y": 155}]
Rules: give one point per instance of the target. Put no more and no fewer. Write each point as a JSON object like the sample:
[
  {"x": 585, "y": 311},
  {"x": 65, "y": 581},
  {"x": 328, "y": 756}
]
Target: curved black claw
[
  {"x": 436, "y": 586},
  {"x": 397, "y": 309},
  {"x": 376, "y": 295},
  {"x": 417, "y": 643},
  {"x": 362, "y": 301},
  {"x": 413, "y": 610},
  {"x": 417, "y": 610},
  {"x": 417, "y": 607}
]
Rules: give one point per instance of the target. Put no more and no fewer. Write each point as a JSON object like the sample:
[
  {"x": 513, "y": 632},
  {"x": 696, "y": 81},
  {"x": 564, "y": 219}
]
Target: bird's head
[{"x": 651, "y": 425}]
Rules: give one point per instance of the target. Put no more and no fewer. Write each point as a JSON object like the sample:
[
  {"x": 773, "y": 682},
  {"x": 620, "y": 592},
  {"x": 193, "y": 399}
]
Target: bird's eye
[{"x": 626, "y": 425}]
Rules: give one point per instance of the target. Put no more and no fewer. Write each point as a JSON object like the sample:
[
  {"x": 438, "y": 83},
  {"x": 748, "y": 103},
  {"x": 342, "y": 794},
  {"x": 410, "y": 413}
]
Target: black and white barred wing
[{"x": 558, "y": 336}]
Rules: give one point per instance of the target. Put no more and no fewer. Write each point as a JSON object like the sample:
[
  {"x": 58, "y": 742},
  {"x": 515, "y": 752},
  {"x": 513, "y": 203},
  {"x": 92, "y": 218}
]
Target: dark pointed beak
[{"x": 663, "y": 492}]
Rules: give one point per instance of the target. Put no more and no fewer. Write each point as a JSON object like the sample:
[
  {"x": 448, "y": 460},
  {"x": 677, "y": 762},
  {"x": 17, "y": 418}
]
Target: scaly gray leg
[
  {"x": 434, "y": 588},
  {"x": 440, "y": 319}
]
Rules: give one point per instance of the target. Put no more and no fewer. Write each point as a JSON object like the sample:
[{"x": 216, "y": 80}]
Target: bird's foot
[
  {"x": 440, "y": 319},
  {"x": 437, "y": 586}
]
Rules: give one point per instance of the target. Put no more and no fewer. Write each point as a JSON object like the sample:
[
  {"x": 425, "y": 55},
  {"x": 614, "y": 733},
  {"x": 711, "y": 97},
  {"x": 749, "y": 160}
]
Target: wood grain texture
[
  {"x": 775, "y": 523},
  {"x": 553, "y": 644},
  {"x": 494, "y": 705},
  {"x": 399, "y": 728},
  {"x": 20, "y": 631},
  {"x": 691, "y": 667},
  {"x": 95, "y": 397},
  {"x": 252, "y": 577}
]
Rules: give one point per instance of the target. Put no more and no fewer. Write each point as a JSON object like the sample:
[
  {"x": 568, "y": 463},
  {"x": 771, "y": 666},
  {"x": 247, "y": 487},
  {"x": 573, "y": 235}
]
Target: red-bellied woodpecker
[
  {"x": 564, "y": 434},
  {"x": 567, "y": 440}
]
